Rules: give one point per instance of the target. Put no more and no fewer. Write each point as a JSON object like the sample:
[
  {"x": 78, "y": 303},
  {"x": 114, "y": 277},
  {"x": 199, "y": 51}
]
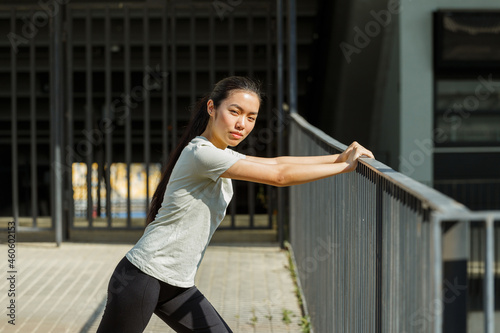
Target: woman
[{"x": 157, "y": 274}]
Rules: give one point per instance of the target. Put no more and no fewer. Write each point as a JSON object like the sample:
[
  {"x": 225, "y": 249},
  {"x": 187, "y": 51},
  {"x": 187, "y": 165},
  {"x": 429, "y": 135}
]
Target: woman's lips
[{"x": 236, "y": 135}]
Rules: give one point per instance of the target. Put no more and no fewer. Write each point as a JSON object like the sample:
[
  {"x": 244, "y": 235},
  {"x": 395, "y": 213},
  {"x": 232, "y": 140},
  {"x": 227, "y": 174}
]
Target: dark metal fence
[
  {"x": 477, "y": 194},
  {"x": 99, "y": 95},
  {"x": 379, "y": 252}
]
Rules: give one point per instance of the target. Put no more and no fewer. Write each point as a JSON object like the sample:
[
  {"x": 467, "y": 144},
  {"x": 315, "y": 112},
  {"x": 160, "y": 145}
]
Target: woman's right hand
[{"x": 354, "y": 152}]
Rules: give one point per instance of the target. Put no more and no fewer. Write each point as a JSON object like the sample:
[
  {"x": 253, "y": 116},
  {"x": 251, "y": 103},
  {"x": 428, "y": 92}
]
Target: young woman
[{"x": 157, "y": 274}]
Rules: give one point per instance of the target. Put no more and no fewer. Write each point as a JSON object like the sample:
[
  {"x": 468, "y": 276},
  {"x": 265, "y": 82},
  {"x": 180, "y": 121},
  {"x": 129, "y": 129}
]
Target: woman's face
[{"x": 233, "y": 120}]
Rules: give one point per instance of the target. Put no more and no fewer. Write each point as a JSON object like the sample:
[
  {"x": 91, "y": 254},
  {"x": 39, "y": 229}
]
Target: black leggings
[{"x": 133, "y": 296}]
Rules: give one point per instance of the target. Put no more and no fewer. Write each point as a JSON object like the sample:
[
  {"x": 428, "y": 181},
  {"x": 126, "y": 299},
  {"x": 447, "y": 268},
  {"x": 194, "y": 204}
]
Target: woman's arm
[
  {"x": 283, "y": 174},
  {"x": 286, "y": 174},
  {"x": 324, "y": 159},
  {"x": 295, "y": 159}
]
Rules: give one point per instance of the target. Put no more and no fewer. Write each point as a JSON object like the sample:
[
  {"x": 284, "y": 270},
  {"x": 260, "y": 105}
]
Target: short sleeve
[{"x": 213, "y": 162}]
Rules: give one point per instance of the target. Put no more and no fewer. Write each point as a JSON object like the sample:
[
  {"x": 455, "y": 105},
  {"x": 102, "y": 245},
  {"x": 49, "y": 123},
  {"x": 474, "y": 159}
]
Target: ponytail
[{"x": 197, "y": 125}]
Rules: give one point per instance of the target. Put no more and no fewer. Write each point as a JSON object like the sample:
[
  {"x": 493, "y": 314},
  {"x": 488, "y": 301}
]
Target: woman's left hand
[{"x": 357, "y": 149}]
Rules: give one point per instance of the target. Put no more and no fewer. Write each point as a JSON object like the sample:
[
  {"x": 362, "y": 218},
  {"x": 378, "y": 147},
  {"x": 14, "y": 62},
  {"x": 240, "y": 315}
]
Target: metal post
[
  {"x": 438, "y": 270},
  {"x": 88, "y": 115},
  {"x": 173, "y": 71},
  {"x": 211, "y": 51},
  {"x": 269, "y": 111},
  {"x": 68, "y": 163},
  {"x": 379, "y": 236},
  {"x": 128, "y": 121},
  {"x": 147, "y": 104},
  {"x": 455, "y": 244},
  {"x": 489, "y": 279},
  {"x": 164, "y": 95},
  {"x": 192, "y": 56},
  {"x": 108, "y": 159},
  {"x": 250, "y": 56},
  {"x": 13, "y": 84},
  {"x": 292, "y": 54},
  {"x": 33, "y": 130},
  {"x": 279, "y": 98},
  {"x": 56, "y": 106}
]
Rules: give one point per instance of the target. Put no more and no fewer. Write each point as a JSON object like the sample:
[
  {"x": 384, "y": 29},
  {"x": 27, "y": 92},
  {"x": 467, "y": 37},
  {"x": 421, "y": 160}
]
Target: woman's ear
[{"x": 210, "y": 106}]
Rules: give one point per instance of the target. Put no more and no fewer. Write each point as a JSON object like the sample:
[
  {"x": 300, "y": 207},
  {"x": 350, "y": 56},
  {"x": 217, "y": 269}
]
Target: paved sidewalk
[{"x": 64, "y": 289}]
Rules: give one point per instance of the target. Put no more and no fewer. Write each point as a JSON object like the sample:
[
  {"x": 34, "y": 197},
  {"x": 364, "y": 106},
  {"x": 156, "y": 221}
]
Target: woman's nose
[{"x": 240, "y": 123}]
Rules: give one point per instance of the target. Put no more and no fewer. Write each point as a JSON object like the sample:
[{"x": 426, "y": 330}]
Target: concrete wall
[{"x": 416, "y": 81}]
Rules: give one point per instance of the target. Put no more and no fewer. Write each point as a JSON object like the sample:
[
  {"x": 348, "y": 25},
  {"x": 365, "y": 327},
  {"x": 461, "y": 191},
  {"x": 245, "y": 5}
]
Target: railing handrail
[{"x": 430, "y": 197}]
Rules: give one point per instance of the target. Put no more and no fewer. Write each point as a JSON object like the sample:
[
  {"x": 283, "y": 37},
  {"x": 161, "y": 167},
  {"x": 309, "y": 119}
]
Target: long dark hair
[{"x": 196, "y": 126}]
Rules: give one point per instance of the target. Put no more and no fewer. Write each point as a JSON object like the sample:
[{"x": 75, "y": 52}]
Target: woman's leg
[
  {"x": 132, "y": 298},
  {"x": 190, "y": 311}
]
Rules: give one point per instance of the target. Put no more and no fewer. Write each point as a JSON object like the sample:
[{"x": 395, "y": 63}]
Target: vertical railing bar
[
  {"x": 88, "y": 117},
  {"x": 192, "y": 56},
  {"x": 269, "y": 103},
  {"x": 292, "y": 55},
  {"x": 231, "y": 45},
  {"x": 212, "y": 49},
  {"x": 232, "y": 205},
  {"x": 33, "y": 144},
  {"x": 250, "y": 42},
  {"x": 51, "y": 126},
  {"x": 147, "y": 132},
  {"x": 128, "y": 120},
  {"x": 164, "y": 86},
  {"x": 13, "y": 84},
  {"x": 363, "y": 251},
  {"x": 281, "y": 116},
  {"x": 378, "y": 255},
  {"x": 251, "y": 185},
  {"x": 489, "y": 278},
  {"x": 438, "y": 269},
  {"x": 56, "y": 127},
  {"x": 174, "y": 75},
  {"x": 70, "y": 126},
  {"x": 107, "y": 115}
]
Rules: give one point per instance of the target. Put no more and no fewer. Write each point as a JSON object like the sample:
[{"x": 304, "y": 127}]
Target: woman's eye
[{"x": 234, "y": 112}]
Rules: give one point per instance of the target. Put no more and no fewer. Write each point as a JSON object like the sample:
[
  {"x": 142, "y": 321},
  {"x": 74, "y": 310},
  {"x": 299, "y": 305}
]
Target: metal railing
[{"x": 377, "y": 251}]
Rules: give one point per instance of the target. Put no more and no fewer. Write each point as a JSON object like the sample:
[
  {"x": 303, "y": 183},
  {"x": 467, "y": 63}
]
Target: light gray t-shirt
[{"x": 194, "y": 204}]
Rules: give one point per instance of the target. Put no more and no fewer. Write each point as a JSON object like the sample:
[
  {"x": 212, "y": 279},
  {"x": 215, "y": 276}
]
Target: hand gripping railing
[{"x": 377, "y": 251}]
